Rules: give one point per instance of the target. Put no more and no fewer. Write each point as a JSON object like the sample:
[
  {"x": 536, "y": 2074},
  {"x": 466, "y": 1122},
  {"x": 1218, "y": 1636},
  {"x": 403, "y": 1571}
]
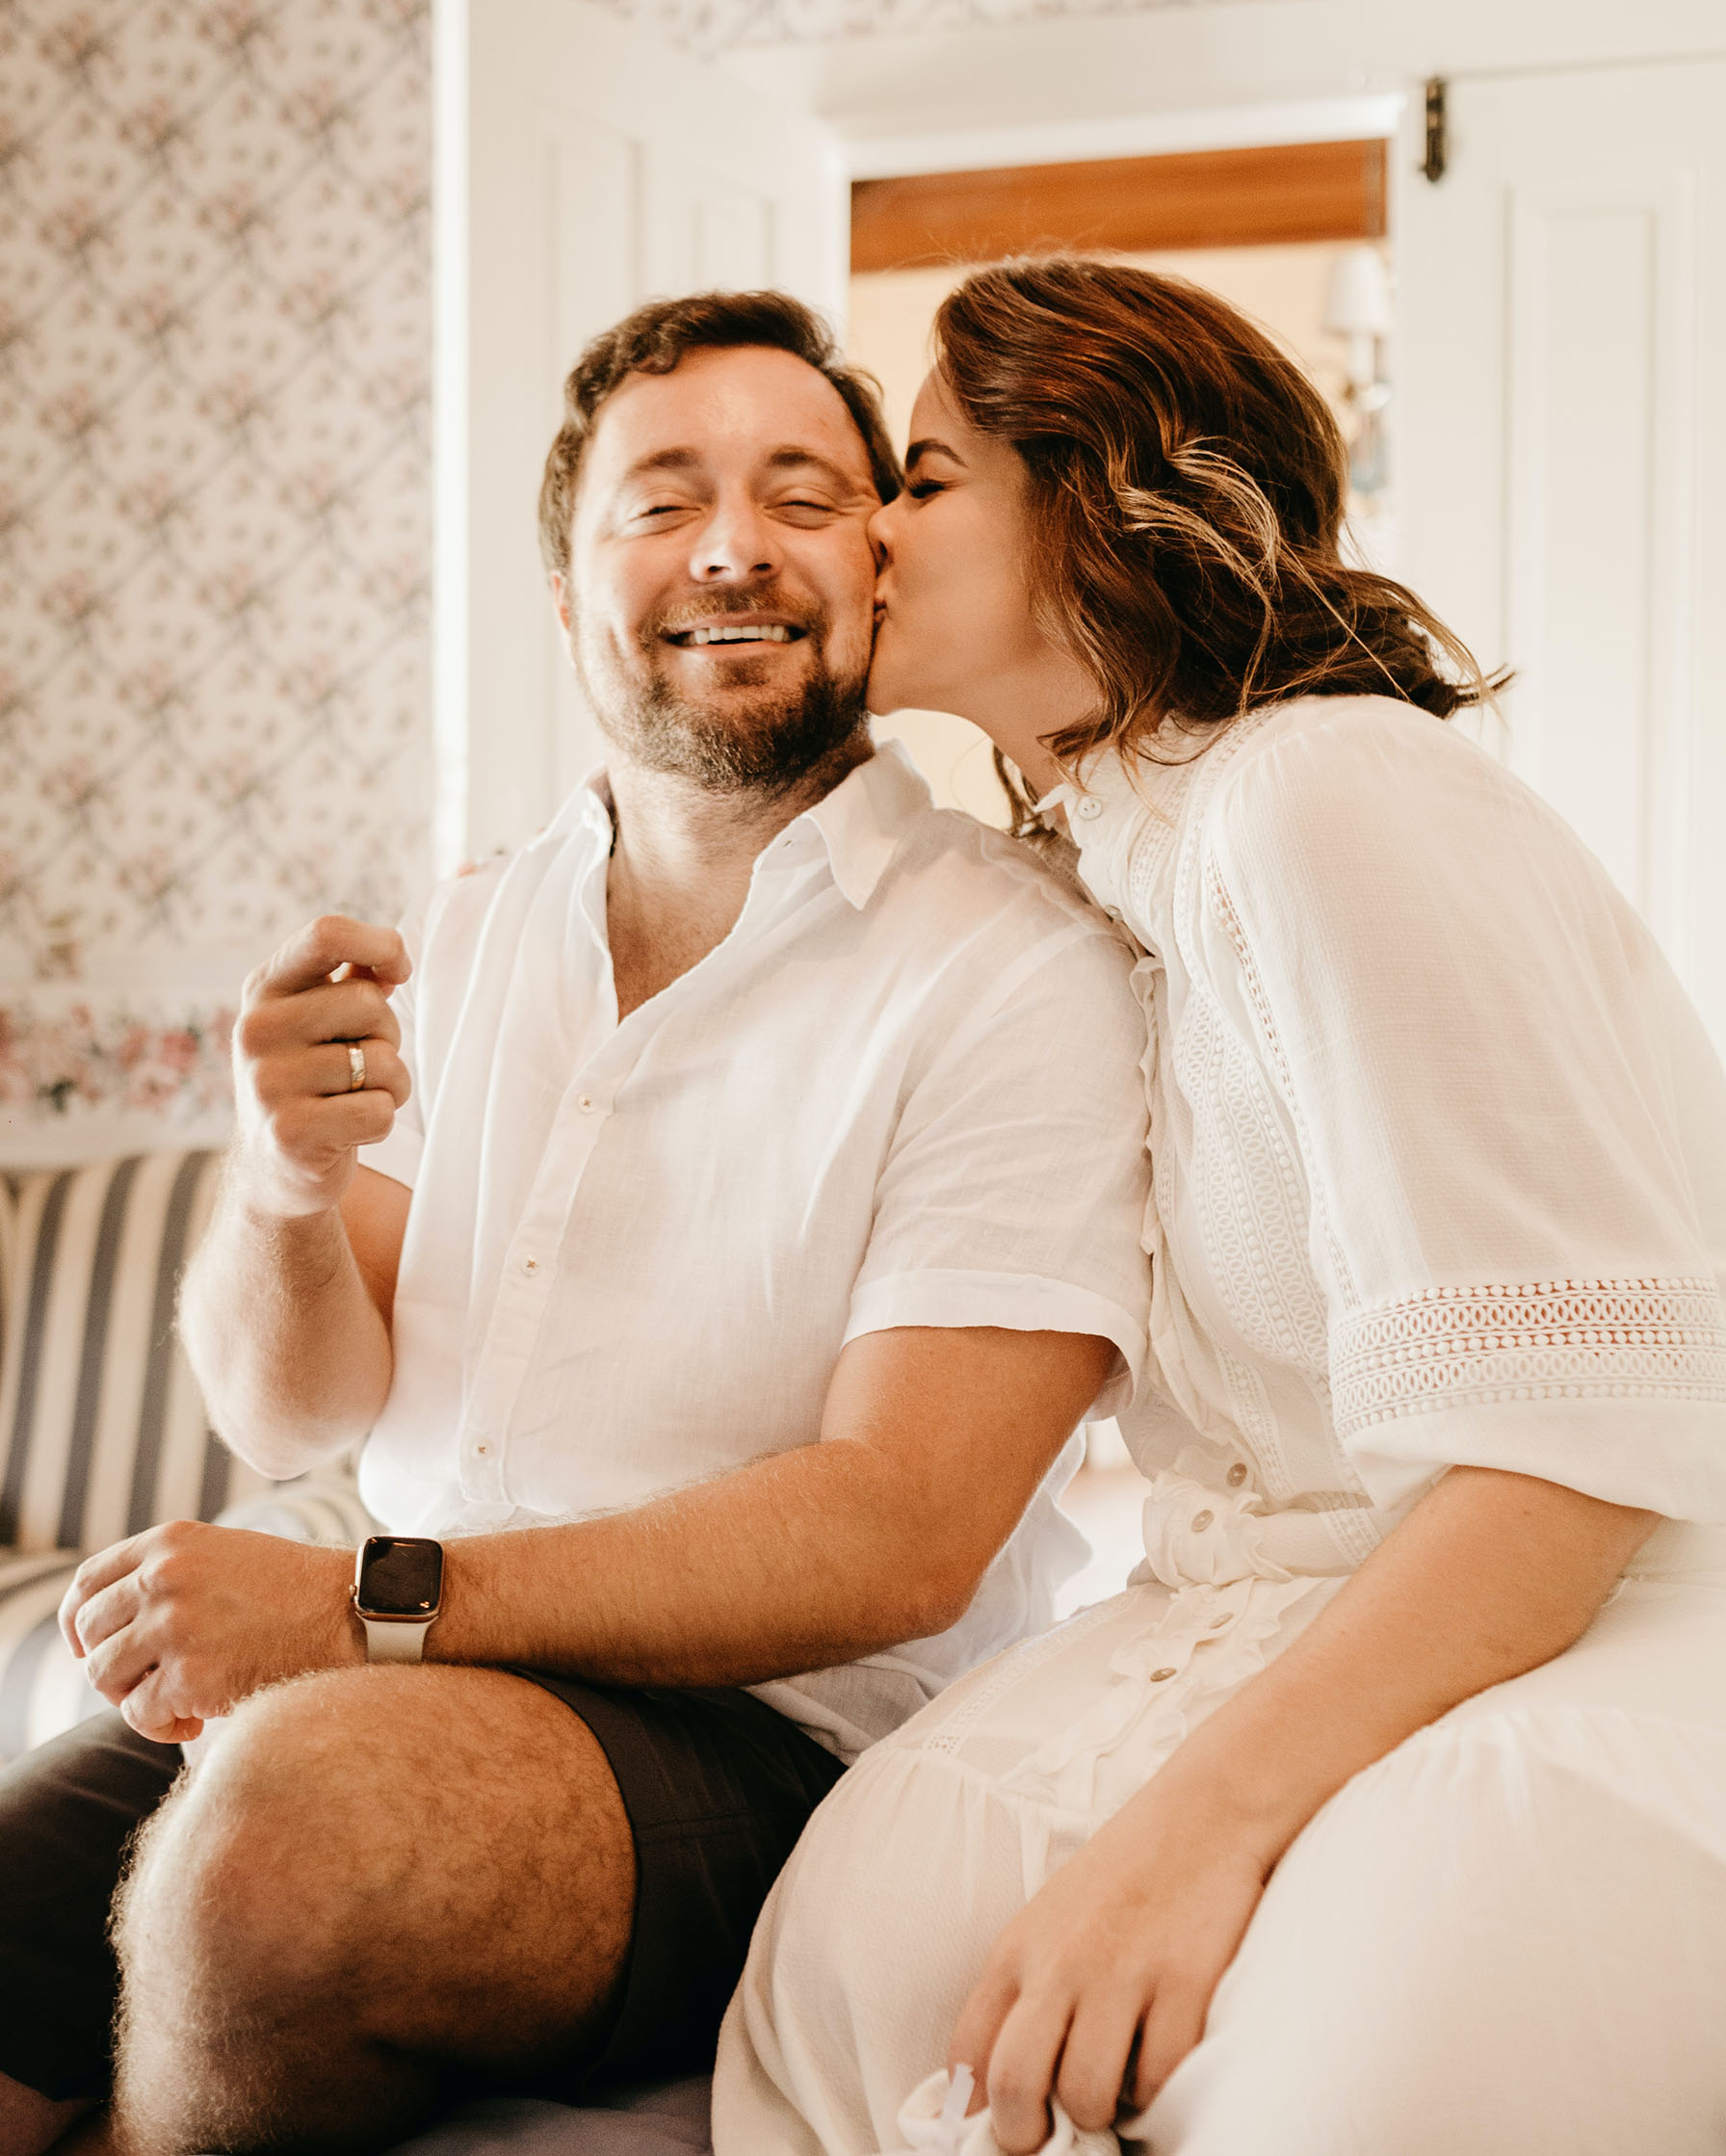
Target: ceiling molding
[{"x": 716, "y": 26}]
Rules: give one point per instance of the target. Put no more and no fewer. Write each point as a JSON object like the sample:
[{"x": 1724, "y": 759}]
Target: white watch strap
[{"x": 395, "y": 1638}]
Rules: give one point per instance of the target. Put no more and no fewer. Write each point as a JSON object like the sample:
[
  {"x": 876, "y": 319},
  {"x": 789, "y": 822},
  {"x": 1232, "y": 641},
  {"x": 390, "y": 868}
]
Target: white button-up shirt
[{"x": 905, "y": 1091}]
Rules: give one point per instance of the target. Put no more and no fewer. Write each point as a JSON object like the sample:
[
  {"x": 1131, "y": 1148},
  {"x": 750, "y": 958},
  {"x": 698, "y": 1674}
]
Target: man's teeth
[{"x": 774, "y": 632}]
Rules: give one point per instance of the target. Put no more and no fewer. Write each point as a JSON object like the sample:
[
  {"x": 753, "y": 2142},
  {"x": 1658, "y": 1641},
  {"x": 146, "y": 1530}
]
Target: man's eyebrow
[
  {"x": 664, "y": 460},
  {"x": 930, "y": 445},
  {"x": 789, "y": 458}
]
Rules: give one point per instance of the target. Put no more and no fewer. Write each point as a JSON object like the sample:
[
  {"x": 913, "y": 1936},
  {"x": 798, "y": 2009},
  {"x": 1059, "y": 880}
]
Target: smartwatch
[{"x": 397, "y": 1592}]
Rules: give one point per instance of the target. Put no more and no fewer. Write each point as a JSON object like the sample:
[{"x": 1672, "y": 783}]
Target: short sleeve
[
  {"x": 398, "y": 1155},
  {"x": 1511, "y": 1116},
  {"x": 1014, "y": 1190}
]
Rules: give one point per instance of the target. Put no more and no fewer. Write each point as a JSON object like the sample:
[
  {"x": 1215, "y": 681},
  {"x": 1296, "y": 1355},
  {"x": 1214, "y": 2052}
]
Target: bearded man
[{"x": 714, "y": 1220}]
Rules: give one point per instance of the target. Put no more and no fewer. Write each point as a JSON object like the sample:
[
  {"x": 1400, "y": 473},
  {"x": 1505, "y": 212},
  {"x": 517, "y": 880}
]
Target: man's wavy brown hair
[{"x": 1188, "y": 486}]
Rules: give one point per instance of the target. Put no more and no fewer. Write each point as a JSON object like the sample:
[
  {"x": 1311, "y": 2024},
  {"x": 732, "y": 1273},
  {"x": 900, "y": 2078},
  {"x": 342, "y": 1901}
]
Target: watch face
[{"x": 402, "y": 1575}]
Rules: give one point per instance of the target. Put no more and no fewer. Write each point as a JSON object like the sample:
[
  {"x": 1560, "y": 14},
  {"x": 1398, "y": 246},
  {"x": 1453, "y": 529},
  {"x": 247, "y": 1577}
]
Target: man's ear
[{"x": 560, "y": 597}]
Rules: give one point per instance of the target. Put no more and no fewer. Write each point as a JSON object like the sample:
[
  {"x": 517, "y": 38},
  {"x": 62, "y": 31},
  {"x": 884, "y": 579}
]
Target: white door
[
  {"x": 1561, "y": 379},
  {"x": 602, "y": 165}
]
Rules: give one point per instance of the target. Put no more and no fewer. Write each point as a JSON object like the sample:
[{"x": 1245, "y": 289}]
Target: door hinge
[{"x": 1437, "y": 159}]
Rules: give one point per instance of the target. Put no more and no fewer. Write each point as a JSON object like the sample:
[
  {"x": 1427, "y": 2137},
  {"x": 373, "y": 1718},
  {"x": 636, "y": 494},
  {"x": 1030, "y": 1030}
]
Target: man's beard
[{"x": 738, "y": 746}]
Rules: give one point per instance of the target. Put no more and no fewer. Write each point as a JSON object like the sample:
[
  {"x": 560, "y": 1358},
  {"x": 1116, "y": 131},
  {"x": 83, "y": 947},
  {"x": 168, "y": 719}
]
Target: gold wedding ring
[{"x": 356, "y": 1068}]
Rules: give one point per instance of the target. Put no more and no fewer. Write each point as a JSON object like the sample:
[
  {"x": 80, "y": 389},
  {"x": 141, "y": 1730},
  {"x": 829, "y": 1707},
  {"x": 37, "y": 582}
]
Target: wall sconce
[{"x": 1357, "y": 307}]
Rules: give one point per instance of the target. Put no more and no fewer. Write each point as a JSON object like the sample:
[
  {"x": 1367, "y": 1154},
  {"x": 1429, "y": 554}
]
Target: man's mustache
[{"x": 739, "y": 598}]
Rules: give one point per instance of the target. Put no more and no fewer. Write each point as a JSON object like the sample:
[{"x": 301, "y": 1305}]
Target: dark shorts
[{"x": 716, "y": 1787}]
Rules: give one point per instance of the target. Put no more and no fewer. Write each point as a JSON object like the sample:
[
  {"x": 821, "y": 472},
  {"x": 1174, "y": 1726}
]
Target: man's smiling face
[{"x": 721, "y": 580}]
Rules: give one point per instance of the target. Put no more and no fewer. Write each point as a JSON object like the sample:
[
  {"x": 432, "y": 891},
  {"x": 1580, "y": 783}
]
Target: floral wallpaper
[
  {"x": 215, "y": 546},
  {"x": 714, "y": 26}
]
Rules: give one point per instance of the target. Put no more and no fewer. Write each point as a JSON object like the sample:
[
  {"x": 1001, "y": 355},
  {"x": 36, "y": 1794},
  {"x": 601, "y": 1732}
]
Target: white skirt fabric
[{"x": 1506, "y": 1937}]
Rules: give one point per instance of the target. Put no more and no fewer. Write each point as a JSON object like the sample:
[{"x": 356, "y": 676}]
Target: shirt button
[
  {"x": 1237, "y": 1474},
  {"x": 585, "y": 1104},
  {"x": 1161, "y": 1676},
  {"x": 481, "y": 1450},
  {"x": 1088, "y": 808},
  {"x": 530, "y": 1265},
  {"x": 1202, "y": 1520}
]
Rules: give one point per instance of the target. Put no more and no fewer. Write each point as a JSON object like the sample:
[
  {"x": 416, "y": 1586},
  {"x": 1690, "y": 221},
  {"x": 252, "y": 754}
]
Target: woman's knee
[{"x": 1508, "y": 1936}]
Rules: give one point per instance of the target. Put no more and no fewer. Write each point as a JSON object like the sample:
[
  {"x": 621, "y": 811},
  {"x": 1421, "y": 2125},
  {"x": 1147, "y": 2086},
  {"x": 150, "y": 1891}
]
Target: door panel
[
  {"x": 604, "y": 167},
  {"x": 1563, "y": 295}
]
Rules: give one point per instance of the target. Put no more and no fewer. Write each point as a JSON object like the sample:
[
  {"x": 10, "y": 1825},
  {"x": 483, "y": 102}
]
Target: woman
[{"x": 1386, "y": 1810}]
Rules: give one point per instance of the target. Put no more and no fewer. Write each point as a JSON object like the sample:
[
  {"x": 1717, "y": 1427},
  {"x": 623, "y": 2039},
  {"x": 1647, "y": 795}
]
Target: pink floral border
[{"x": 72, "y": 1059}]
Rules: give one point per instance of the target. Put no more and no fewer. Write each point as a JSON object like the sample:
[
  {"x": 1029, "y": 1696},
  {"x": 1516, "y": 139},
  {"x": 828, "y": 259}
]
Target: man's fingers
[
  {"x": 89, "y": 1579},
  {"x": 331, "y": 1011},
  {"x": 120, "y": 1662},
  {"x": 104, "y": 1613},
  {"x": 316, "y": 1125},
  {"x": 325, "y": 1072},
  {"x": 330, "y": 942},
  {"x": 147, "y": 1708}
]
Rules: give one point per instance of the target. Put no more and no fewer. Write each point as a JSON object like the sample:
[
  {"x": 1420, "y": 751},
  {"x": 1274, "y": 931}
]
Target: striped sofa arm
[
  {"x": 42, "y": 1689},
  {"x": 102, "y": 1429}
]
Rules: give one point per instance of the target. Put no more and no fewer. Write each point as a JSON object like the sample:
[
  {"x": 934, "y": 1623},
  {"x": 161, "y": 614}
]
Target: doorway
[{"x": 1292, "y": 234}]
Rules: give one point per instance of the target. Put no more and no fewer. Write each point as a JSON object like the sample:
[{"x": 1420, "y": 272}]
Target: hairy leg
[
  {"x": 29, "y": 2123},
  {"x": 372, "y": 1877}
]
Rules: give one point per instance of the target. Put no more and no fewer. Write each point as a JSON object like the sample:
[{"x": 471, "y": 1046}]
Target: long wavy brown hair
[{"x": 1188, "y": 485}]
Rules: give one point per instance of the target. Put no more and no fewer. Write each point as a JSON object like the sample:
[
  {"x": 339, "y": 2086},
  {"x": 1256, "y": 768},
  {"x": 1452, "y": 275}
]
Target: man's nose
[
  {"x": 881, "y": 534},
  {"x": 735, "y": 543}
]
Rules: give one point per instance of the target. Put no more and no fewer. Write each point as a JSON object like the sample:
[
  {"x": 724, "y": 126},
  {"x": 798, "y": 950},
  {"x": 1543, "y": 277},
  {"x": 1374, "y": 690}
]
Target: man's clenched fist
[{"x": 301, "y": 1116}]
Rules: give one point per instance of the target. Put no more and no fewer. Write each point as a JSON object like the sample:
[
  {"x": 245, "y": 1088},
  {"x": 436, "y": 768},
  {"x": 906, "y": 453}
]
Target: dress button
[
  {"x": 481, "y": 1450},
  {"x": 1161, "y": 1676},
  {"x": 1202, "y": 1520},
  {"x": 1236, "y": 1476},
  {"x": 1088, "y": 808},
  {"x": 585, "y": 1104},
  {"x": 530, "y": 1265}
]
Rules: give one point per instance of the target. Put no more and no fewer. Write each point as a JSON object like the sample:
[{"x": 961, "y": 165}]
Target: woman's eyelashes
[{"x": 920, "y": 489}]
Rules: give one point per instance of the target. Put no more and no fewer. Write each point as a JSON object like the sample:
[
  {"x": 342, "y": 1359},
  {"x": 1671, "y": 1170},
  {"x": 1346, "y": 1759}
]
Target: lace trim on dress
[{"x": 1542, "y": 1340}]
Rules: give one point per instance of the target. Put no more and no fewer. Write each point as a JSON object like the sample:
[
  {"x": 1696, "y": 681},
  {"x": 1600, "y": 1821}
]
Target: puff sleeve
[{"x": 1511, "y": 1119}]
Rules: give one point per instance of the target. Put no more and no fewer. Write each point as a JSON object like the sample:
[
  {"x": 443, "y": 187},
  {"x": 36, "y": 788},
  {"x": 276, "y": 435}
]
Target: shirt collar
[
  {"x": 861, "y": 823},
  {"x": 867, "y": 817}
]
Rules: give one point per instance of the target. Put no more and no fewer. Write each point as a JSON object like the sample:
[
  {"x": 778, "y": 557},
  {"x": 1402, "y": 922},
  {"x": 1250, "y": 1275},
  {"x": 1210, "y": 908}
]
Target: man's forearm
[
  {"x": 932, "y": 1444},
  {"x": 811, "y": 1557},
  {"x": 288, "y": 1346}
]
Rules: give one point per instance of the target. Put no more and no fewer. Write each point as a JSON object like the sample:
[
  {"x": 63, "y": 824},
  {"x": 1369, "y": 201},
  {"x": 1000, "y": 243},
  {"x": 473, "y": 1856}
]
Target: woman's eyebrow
[{"x": 930, "y": 446}]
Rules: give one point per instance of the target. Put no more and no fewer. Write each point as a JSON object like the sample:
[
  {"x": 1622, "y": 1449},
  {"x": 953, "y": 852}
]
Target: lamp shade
[{"x": 1358, "y": 301}]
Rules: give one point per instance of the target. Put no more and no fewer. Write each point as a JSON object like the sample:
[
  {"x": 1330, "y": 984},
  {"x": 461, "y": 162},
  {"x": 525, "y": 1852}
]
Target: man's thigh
[
  {"x": 67, "y": 1811},
  {"x": 530, "y": 1880}
]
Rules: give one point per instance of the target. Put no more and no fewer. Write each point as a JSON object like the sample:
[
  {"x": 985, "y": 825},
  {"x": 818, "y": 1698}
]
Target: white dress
[{"x": 1439, "y": 1156}]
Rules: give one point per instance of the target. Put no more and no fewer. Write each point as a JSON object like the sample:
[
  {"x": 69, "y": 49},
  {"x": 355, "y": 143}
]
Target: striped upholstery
[
  {"x": 102, "y": 1432},
  {"x": 102, "y": 1429}
]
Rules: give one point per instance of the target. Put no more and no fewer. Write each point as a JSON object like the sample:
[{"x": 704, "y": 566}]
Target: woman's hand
[{"x": 1099, "y": 1987}]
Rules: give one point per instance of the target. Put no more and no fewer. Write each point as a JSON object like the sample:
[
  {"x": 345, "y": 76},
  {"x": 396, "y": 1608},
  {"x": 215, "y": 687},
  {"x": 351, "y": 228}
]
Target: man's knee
[{"x": 341, "y": 1829}]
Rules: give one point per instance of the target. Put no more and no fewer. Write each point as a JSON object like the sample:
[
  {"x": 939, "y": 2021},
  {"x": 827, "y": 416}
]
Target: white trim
[
  {"x": 450, "y": 597},
  {"x": 1316, "y": 120}
]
